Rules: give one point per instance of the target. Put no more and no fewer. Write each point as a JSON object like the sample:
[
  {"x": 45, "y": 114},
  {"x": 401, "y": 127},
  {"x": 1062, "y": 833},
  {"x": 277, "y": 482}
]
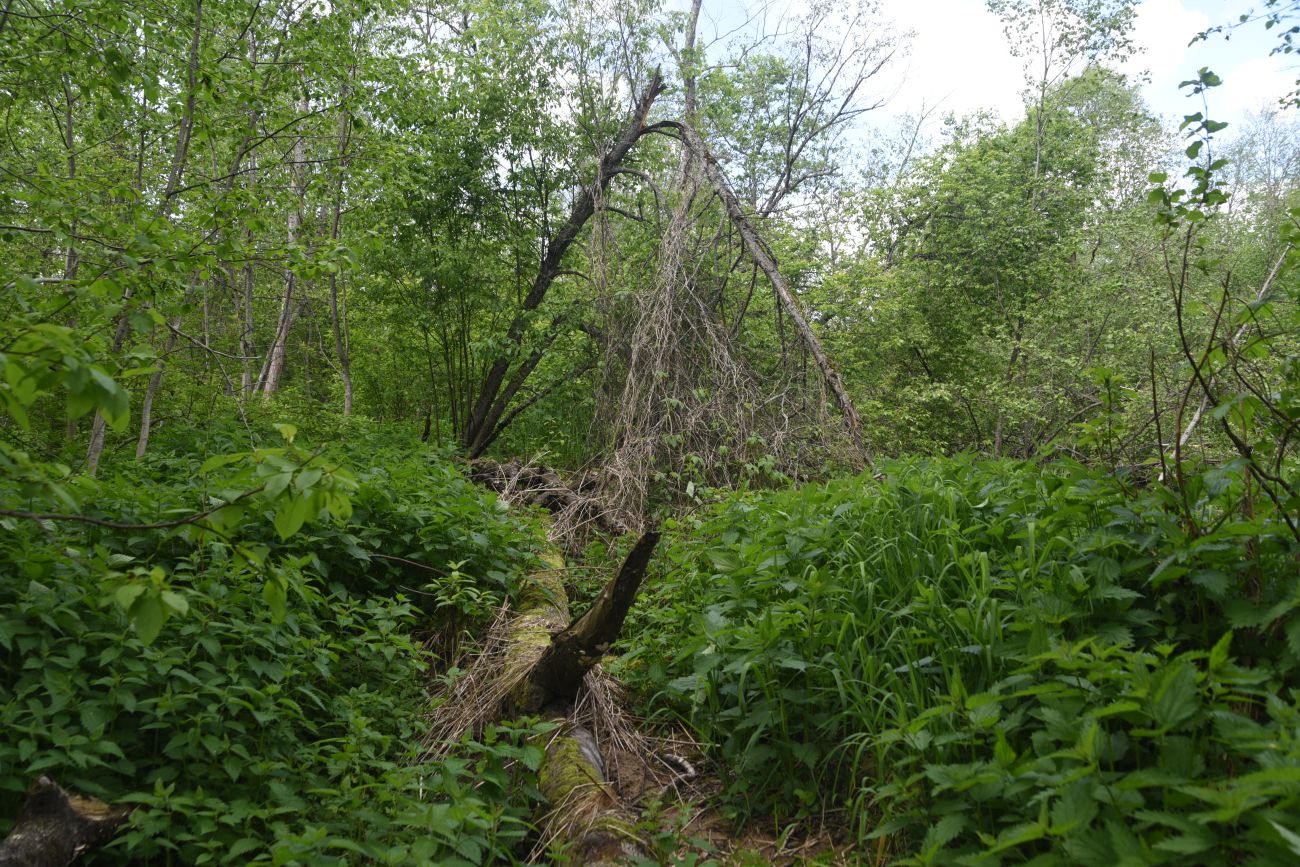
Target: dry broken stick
[{"x": 54, "y": 827}]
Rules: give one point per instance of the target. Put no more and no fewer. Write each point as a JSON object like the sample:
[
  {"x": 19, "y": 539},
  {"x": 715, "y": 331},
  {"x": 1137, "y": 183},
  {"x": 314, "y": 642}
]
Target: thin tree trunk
[
  {"x": 338, "y": 320},
  {"x": 71, "y": 260},
  {"x": 487, "y": 411},
  {"x": 274, "y": 369},
  {"x": 247, "y": 346},
  {"x": 146, "y": 406},
  {"x": 175, "y": 174}
]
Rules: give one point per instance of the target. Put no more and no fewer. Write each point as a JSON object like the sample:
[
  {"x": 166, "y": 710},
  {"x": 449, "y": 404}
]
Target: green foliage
[
  {"x": 1030, "y": 663},
  {"x": 248, "y": 681}
]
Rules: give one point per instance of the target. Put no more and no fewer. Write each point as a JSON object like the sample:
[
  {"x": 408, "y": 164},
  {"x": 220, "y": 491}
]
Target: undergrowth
[
  {"x": 257, "y": 695},
  {"x": 989, "y": 663}
]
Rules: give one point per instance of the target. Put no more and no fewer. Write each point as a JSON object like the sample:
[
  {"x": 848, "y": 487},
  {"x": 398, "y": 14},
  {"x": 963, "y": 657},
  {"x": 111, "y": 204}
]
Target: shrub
[{"x": 1031, "y": 663}]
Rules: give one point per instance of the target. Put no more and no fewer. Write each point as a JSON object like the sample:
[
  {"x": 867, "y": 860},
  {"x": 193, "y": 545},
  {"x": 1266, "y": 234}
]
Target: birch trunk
[{"x": 274, "y": 368}]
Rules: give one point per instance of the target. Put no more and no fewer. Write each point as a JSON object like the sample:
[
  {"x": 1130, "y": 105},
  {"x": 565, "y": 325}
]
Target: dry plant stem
[{"x": 679, "y": 398}]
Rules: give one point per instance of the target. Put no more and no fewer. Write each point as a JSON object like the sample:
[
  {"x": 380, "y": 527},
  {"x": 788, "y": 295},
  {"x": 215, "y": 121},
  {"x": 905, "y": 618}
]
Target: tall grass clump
[{"x": 985, "y": 663}]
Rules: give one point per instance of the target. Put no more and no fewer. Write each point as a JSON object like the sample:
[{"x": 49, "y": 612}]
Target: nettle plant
[
  {"x": 1240, "y": 346},
  {"x": 222, "y": 644},
  {"x": 286, "y": 482}
]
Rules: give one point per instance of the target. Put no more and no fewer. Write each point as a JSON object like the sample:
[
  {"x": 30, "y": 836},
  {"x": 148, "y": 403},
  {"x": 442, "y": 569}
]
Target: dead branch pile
[
  {"x": 684, "y": 399},
  {"x": 576, "y": 509}
]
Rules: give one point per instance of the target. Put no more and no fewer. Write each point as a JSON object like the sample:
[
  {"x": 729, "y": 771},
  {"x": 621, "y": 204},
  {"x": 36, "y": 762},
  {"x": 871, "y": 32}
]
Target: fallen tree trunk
[
  {"x": 758, "y": 251},
  {"x": 571, "y": 653},
  {"x": 587, "y": 821},
  {"x": 537, "y": 666},
  {"x": 54, "y": 827}
]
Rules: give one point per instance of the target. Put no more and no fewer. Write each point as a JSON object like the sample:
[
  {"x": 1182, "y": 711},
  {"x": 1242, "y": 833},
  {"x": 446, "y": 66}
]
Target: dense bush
[
  {"x": 250, "y": 686},
  {"x": 992, "y": 663}
]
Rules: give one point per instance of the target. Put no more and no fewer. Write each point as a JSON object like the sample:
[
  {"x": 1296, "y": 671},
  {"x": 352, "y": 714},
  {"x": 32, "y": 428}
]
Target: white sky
[{"x": 959, "y": 56}]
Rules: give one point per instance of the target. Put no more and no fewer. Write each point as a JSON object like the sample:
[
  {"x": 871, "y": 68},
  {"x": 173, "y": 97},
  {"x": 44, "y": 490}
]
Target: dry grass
[{"x": 466, "y": 704}]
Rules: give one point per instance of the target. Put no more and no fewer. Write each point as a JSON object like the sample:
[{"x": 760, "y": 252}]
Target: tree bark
[
  {"x": 586, "y": 813},
  {"x": 758, "y": 251},
  {"x": 54, "y": 827}
]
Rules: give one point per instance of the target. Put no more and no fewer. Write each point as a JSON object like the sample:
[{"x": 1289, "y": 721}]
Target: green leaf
[
  {"x": 127, "y": 594},
  {"x": 1074, "y": 809},
  {"x": 148, "y": 616},
  {"x": 175, "y": 601},
  {"x": 217, "y": 461},
  {"x": 276, "y": 595},
  {"x": 1188, "y": 844},
  {"x": 1174, "y": 698},
  {"x": 292, "y": 514},
  {"x": 276, "y": 484}
]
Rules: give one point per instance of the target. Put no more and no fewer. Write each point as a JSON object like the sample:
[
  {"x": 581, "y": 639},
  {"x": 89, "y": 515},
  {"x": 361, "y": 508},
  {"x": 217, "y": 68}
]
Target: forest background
[{"x": 270, "y": 273}]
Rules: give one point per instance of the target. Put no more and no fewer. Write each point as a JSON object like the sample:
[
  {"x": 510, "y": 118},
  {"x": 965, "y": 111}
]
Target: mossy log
[
  {"x": 586, "y": 820},
  {"x": 550, "y": 654},
  {"x": 573, "y": 649},
  {"x": 54, "y": 827}
]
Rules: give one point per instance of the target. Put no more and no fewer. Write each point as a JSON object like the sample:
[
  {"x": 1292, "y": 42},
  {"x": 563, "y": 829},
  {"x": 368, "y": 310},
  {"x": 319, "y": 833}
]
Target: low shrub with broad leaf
[
  {"x": 992, "y": 663},
  {"x": 227, "y": 646}
]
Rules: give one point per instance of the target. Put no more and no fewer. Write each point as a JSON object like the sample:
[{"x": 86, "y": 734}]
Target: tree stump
[{"x": 54, "y": 827}]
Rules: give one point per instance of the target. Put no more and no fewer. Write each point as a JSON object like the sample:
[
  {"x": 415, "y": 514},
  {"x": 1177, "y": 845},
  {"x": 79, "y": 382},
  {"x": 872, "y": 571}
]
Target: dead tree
[
  {"x": 762, "y": 257},
  {"x": 539, "y": 661},
  {"x": 571, "y": 652},
  {"x": 500, "y": 385}
]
